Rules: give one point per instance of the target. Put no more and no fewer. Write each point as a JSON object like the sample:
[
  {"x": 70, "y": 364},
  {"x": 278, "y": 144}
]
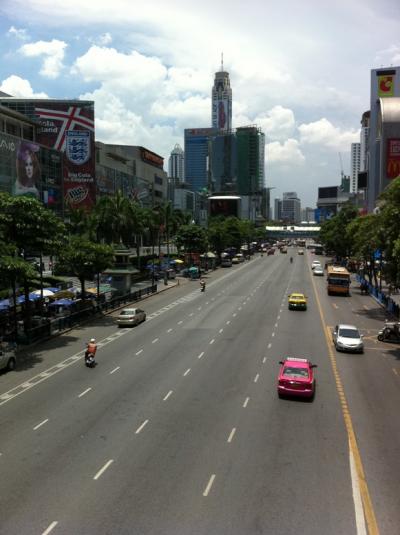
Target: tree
[
  {"x": 333, "y": 232},
  {"x": 85, "y": 259},
  {"x": 192, "y": 238},
  {"x": 365, "y": 235},
  {"x": 113, "y": 218}
]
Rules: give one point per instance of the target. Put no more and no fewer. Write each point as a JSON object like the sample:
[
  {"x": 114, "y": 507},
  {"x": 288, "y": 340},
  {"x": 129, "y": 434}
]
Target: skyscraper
[
  {"x": 176, "y": 164},
  {"x": 196, "y": 157},
  {"x": 221, "y": 112},
  {"x": 354, "y": 166}
]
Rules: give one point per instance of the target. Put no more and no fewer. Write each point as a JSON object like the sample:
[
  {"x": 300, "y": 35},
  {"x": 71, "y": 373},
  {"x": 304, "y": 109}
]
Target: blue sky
[{"x": 300, "y": 70}]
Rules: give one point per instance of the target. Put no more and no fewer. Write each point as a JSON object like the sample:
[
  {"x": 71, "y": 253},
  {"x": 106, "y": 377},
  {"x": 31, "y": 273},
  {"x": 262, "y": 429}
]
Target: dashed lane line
[
  {"x": 41, "y": 423},
  {"x": 50, "y": 528},
  {"x": 102, "y": 470},
  {"x": 209, "y": 485}
]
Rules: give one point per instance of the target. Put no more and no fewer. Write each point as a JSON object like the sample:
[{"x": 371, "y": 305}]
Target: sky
[{"x": 299, "y": 70}]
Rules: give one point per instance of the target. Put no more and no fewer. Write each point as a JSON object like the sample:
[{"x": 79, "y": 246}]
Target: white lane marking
[
  {"x": 212, "y": 341},
  {"x": 234, "y": 314},
  {"x": 138, "y": 352},
  {"x": 231, "y": 435},
  {"x": 228, "y": 322},
  {"x": 273, "y": 334},
  {"x": 180, "y": 322},
  {"x": 141, "y": 427},
  {"x": 365, "y": 307},
  {"x": 199, "y": 308},
  {"x": 50, "y": 528},
  {"x": 201, "y": 354},
  {"x": 221, "y": 331},
  {"x": 209, "y": 485},
  {"x": 240, "y": 308},
  {"x": 191, "y": 314},
  {"x": 279, "y": 317},
  {"x": 115, "y": 369},
  {"x": 246, "y": 402},
  {"x": 167, "y": 396},
  {"x": 256, "y": 377},
  {"x": 207, "y": 302},
  {"x": 264, "y": 360},
  {"x": 41, "y": 423},
  {"x": 244, "y": 302},
  {"x": 276, "y": 325},
  {"x": 85, "y": 392},
  {"x": 155, "y": 340},
  {"x": 103, "y": 469},
  {"x": 335, "y": 305},
  {"x": 269, "y": 346},
  {"x": 186, "y": 372},
  {"x": 358, "y": 507},
  {"x": 169, "y": 330}
]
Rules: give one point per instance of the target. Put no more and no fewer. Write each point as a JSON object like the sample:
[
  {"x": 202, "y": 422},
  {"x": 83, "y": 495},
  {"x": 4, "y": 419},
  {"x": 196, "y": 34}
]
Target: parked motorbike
[{"x": 390, "y": 332}]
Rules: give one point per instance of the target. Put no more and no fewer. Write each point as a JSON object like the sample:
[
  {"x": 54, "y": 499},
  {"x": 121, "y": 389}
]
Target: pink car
[{"x": 296, "y": 378}]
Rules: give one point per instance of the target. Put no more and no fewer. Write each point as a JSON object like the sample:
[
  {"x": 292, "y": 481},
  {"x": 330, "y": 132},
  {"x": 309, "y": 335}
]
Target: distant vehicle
[
  {"x": 300, "y": 251},
  {"x": 315, "y": 263},
  {"x": 318, "y": 249},
  {"x": 348, "y": 338},
  {"x": 390, "y": 332},
  {"x": 226, "y": 262},
  {"x": 318, "y": 271},
  {"x": 8, "y": 360},
  {"x": 338, "y": 280},
  {"x": 128, "y": 317},
  {"x": 284, "y": 250},
  {"x": 271, "y": 251},
  {"x": 238, "y": 259},
  {"x": 297, "y": 301},
  {"x": 301, "y": 243},
  {"x": 296, "y": 378}
]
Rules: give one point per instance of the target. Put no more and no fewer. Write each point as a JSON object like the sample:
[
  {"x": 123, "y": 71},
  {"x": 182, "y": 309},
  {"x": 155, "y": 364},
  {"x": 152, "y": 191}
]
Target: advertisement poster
[
  {"x": 385, "y": 86},
  {"x": 28, "y": 175},
  {"x": 68, "y": 126},
  {"x": 393, "y": 158}
]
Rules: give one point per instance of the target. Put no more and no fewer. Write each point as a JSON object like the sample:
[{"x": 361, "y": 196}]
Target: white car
[
  {"x": 315, "y": 263},
  {"x": 8, "y": 360},
  {"x": 318, "y": 271},
  {"x": 129, "y": 317},
  {"x": 348, "y": 338}
]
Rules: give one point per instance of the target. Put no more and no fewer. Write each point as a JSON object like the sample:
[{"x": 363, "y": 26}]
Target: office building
[
  {"x": 176, "y": 164},
  {"x": 364, "y": 141},
  {"x": 355, "y": 158},
  {"x": 277, "y": 209},
  {"x": 221, "y": 101},
  {"x": 308, "y": 214},
  {"x": 291, "y": 207},
  {"x": 196, "y": 157},
  {"x": 250, "y": 142},
  {"x": 223, "y": 163},
  {"x": 385, "y": 93}
]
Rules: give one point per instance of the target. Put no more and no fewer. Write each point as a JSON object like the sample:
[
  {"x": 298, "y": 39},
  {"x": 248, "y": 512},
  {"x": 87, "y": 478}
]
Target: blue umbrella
[
  {"x": 55, "y": 290},
  {"x": 62, "y": 302},
  {"x": 33, "y": 297},
  {"x": 5, "y": 303}
]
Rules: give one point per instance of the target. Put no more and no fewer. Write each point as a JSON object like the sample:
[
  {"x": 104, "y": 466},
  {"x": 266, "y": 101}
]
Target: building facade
[
  {"x": 364, "y": 141},
  {"x": 67, "y": 126},
  {"x": 277, "y": 209},
  {"x": 385, "y": 84},
  {"x": 291, "y": 207},
  {"x": 223, "y": 163},
  {"x": 250, "y": 142},
  {"x": 355, "y": 164},
  {"x": 221, "y": 101},
  {"x": 196, "y": 157},
  {"x": 26, "y": 166},
  {"x": 176, "y": 164}
]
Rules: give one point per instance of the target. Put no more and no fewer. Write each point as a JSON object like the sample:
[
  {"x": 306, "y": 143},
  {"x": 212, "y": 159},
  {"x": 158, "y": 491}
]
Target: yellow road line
[{"x": 365, "y": 496}]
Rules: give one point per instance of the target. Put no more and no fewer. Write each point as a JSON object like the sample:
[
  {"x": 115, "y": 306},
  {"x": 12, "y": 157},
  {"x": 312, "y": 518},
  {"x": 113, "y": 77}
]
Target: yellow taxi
[{"x": 297, "y": 301}]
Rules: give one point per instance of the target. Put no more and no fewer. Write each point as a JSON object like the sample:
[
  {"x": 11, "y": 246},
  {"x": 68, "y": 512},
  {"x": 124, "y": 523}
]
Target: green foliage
[
  {"x": 192, "y": 238},
  {"x": 333, "y": 233}
]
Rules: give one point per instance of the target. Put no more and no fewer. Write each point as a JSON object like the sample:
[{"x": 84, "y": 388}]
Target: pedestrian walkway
[{"x": 384, "y": 296}]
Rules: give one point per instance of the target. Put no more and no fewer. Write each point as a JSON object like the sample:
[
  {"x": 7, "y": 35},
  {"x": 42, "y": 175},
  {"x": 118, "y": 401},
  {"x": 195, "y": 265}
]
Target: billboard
[
  {"x": 68, "y": 126},
  {"x": 386, "y": 85},
  {"x": 393, "y": 158},
  {"x": 224, "y": 206}
]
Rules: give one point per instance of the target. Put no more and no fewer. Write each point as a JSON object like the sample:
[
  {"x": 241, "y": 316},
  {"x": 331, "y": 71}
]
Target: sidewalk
[{"x": 389, "y": 301}]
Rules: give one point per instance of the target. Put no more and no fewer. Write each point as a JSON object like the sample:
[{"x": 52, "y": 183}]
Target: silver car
[
  {"x": 318, "y": 271},
  {"x": 348, "y": 338},
  {"x": 8, "y": 360},
  {"x": 128, "y": 317}
]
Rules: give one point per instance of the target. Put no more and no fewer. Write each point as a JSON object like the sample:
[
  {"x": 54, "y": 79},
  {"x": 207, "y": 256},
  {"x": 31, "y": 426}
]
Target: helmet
[{"x": 92, "y": 340}]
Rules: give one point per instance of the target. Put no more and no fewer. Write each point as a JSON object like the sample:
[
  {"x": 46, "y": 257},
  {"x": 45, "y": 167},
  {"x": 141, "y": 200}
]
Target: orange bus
[{"x": 338, "y": 280}]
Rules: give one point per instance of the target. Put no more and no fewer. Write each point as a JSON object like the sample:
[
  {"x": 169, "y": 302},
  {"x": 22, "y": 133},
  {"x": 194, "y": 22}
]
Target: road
[{"x": 179, "y": 429}]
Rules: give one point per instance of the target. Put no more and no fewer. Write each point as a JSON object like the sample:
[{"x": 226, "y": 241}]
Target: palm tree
[{"x": 113, "y": 217}]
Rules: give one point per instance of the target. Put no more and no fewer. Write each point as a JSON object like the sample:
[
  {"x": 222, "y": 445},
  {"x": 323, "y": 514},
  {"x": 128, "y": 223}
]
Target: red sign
[
  {"x": 68, "y": 126},
  {"x": 393, "y": 158}
]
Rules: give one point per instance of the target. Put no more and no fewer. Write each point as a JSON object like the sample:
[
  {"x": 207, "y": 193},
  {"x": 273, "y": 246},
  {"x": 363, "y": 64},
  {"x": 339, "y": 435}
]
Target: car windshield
[
  {"x": 295, "y": 372},
  {"x": 349, "y": 333},
  {"x": 128, "y": 313}
]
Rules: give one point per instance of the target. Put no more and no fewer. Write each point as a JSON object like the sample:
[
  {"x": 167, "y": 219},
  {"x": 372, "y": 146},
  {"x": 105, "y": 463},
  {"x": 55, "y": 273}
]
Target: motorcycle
[
  {"x": 291, "y": 259},
  {"x": 390, "y": 332},
  {"x": 203, "y": 288},
  {"x": 90, "y": 360}
]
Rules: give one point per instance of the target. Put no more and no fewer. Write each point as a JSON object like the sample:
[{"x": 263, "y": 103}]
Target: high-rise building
[
  {"x": 223, "y": 163},
  {"x": 196, "y": 157},
  {"x": 308, "y": 214},
  {"x": 385, "y": 85},
  {"x": 176, "y": 164},
  {"x": 221, "y": 112},
  {"x": 291, "y": 207},
  {"x": 364, "y": 137},
  {"x": 250, "y": 142},
  {"x": 355, "y": 157},
  {"x": 277, "y": 209}
]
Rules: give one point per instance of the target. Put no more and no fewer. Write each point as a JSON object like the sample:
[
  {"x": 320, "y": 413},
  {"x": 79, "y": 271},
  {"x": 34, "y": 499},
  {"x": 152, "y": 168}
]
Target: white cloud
[
  {"x": 19, "y": 33},
  {"x": 102, "y": 40},
  {"x": 277, "y": 123},
  {"x": 53, "y": 51},
  {"x": 323, "y": 132},
  {"x": 388, "y": 56},
  {"x": 19, "y": 87},
  {"x": 288, "y": 152}
]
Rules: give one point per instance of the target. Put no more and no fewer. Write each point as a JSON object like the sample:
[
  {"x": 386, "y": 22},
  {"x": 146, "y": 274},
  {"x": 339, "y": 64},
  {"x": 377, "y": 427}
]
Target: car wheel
[
  {"x": 380, "y": 337},
  {"x": 11, "y": 365}
]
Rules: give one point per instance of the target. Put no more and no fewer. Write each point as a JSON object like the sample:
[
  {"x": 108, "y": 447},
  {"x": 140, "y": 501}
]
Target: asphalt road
[{"x": 179, "y": 429}]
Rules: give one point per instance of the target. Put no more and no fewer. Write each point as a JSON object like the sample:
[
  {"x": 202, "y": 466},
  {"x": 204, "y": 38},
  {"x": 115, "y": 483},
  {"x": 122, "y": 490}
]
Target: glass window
[{"x": 349, "y": 333}]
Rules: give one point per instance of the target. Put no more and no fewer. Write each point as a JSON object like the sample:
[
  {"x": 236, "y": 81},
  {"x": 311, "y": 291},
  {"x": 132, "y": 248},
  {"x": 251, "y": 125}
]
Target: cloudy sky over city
[{"x": 300, "y": 70}]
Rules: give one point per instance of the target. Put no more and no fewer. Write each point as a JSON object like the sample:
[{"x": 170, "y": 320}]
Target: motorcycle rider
[
  {"x": 291, "y": 259},
  {"x": 202, "y": 285},
  {"x": 91, "y": 349}
]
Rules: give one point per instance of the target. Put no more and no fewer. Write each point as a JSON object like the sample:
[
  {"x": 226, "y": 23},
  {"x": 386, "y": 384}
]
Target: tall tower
[
  {"x": 354, "y": 166},
  {"x": 221, "y": 112},
  {"x": 176, "y": 164}
]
